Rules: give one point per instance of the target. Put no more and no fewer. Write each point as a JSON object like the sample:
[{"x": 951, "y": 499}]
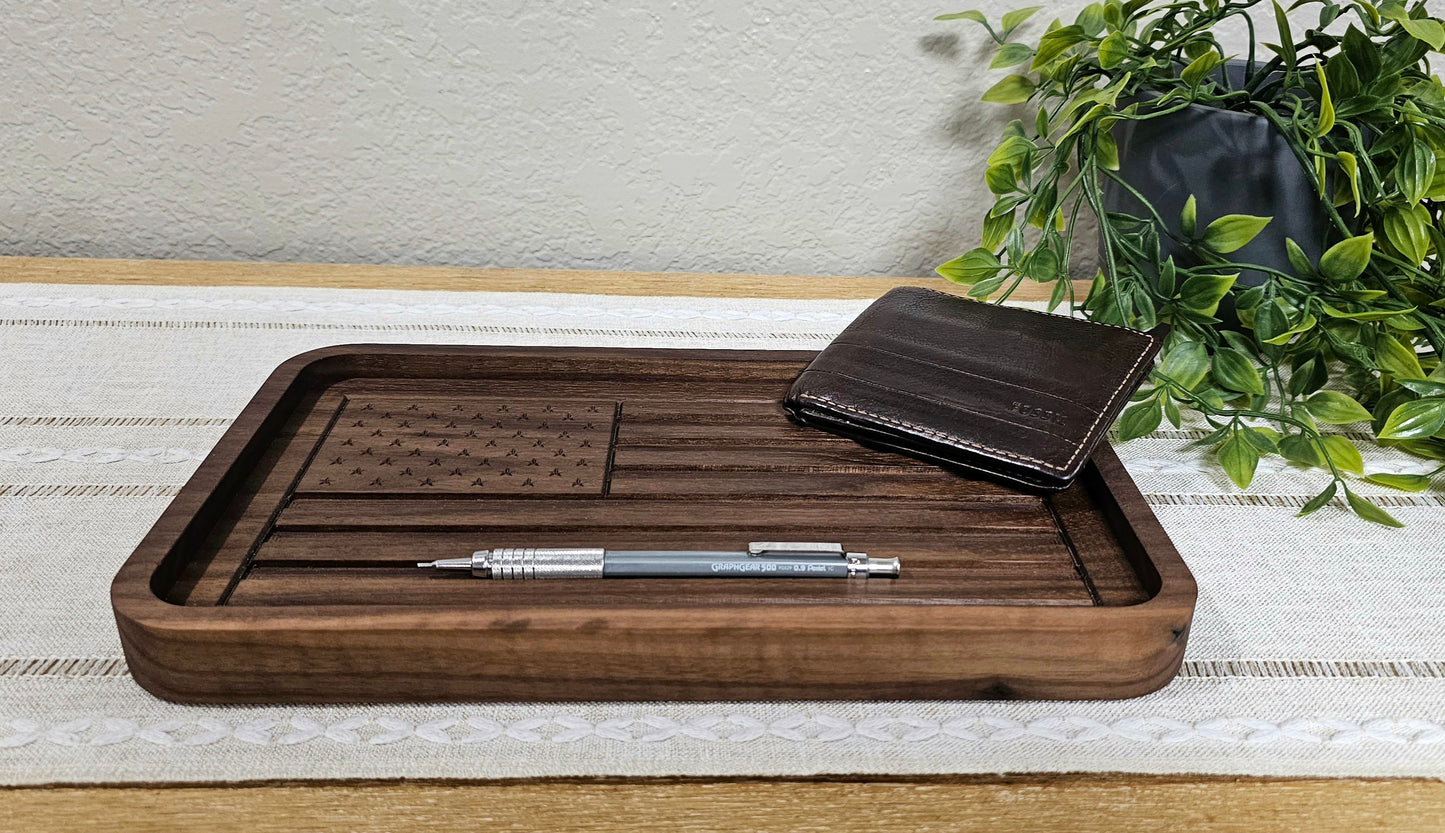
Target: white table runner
[{"x": 1318, "y": 646}]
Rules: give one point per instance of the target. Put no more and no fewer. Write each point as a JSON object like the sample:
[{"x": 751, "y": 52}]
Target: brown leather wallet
[{"x": 1005, "y": 392}]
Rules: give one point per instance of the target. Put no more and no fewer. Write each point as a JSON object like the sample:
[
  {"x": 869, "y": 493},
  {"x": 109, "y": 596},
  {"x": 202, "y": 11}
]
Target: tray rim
[{"x": 141, "y": 614}]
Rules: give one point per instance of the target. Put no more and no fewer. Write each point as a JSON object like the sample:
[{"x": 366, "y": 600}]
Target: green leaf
[
  {"x": 1305, "y": 325},
  {"x": 1298, "y": 448},
  {"x": 1113, "y": 50},
  {"x": 1012, "y": 19},
  {"x": 1000, "y": 180},
  {"x": 1059, "y": 294},
  {"x": 1013, "y": 89},
  {"x": 1139, "y": 420},
  {"x": 1011, "y": 54},
  {"x": 1107, "y": 151},
  {"x": 1091, "y": 19},
  {"x": 1187, "y": 221},
  {"x": 971, "y": 268},
  {"x": 1363, "y": 53},
  {"x": 1406, "y": 482},
  {"x": 1343, "y": 453},
  {"x": 975, "y": 16},
  {"x": 1042, "y": 264},
  {"x": 1200, "y": 67},
  {"x": 1347, "y": 259},
  {"x": 1370, "y": 511},
  {"x": 1364, "y": 315},
  {"x": 1286, "y": 39},
  {"x": 1336, "y": 408},
  {"x": 1171, "y": 412},
  {"x": 1415, "y": 170},
  {"x": 1298, "y": 259},
  {"x": 1414, "y": 420},
  {"x": 1233, "y": 231},
  {"x": 1263, "y": 439},
  {"x": 1326, "y": 121},
  {"x": 1056, "y": 43},
  {"x": 1427, "y": 30},
  {"x": 1187, "y": 363},
  {"x": 1318, "y": 501},
  {"x": 1239, "y": 458},
  {"x": 1351, "y": 166},
  {"x": 1013, "y": 151},
  {"x": 986, "y": 287},
  {"x": 1234, "y": 370},
  {"x": 1203, "y": 293},
  {"x": 1396, "y": 359},
  {"x": 1424, "y": 387},
  {"x": 996, "y": 229},
  {"x": 1407, "y": 229}
]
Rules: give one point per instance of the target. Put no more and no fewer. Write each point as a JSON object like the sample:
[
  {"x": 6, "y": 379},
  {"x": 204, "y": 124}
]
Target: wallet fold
[{"x": 1010, "y": 393}]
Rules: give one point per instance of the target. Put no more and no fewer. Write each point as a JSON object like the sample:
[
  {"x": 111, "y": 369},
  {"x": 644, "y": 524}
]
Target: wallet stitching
[
  {"x": 1091, "y": 409},
  {"x": 1109, "y": 406},
  {"x": 1054, "y": 316},
  {"x": 1036, "y": 483},
  {"x": 950, "y": 404},
  {"x": 949, "y": 439}
]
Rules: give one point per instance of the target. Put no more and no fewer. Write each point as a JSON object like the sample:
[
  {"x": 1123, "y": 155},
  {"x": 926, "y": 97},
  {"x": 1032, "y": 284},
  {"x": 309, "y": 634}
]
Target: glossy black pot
[{"x": 1232, "y": 163}]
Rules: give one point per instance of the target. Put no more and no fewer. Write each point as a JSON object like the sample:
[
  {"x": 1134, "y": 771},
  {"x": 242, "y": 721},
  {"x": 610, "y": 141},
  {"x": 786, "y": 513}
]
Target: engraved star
[
  {"x": 543, "y": 424},
  {"x": 498, "y": 424},
  {"x": 591, "y": 409},
  {"x": 367, "y": 452},
  {"x": 582, "y": 463},
  {"x": 486, "y": 461},
  {"x": 336, "y": 462},
  {"x": 504, "y": 408},
  {"x": 458, "y": 408},
  {"x": 426, "y": 482},
  {"x": 424, "y": 434},
  {"x": 470, "y": 434},
  {"x": 478, "y": 482},
  {"x": 377, "y": 433},
  {"x": 511, "y": 452},
  {"x": 358, "y": 424},
  {"x": 490, "y": 444},
  {"x": 436, "y": 461},
  {"x": 366, "y": 407},
  {"x": 528, "y": 482},
  {"x": 555, "y": 473},
  {"x": 578, "y": 482},
  {"x": 519, "y": 434},
  {"x": 585, "y": 444},
  {"x": 432, "y": 415},
  {"x": 539, "y": 444},
  {"x": 534, "y": 462},
  {"x": 406, "y": 472},
  {"x": 325, "y": 481},
  {"x": 356, "y": 470},
  {"x": 414, "y": 407},
  {"x": 559, "y": 453},
  {"x": 567, "y": 418},
  {"x": 547, "y": 409},
  {"x": 464, "y": 453},
  {"x": 506, "y": 472},
  {"x": 385, "y": 462},
  {"x": 564, "y": 435},
  {"x": 376, "y": 482},
  {"x": 406, "y": 423},
  {"x": 415, "y": 452},
  {"x": 457, "y": 472},
  {"x": 444, "y": 442},
  {"x": 349, "y": 441},
  {"x": 396, "y": 441}
]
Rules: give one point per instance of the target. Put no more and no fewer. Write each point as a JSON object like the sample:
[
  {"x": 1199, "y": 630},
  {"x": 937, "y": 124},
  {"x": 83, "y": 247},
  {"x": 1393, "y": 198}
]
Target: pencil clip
[{"x": 757, "y": 548}]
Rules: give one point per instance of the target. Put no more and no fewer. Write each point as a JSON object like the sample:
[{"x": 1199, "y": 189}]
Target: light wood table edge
[
  {"x": 1056, "y": 802},
  {"x": 461, "y": 279},
  {"x": 1044, "y": 801}
]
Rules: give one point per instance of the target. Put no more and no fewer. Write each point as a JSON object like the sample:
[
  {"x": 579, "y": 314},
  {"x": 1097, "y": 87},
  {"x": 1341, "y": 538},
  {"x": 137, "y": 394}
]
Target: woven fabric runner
[{"x": 1318, "y": 647}]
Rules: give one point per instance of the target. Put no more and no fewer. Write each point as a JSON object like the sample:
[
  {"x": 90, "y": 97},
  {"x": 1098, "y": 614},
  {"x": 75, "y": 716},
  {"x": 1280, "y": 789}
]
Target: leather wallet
[{"x": 1005, "y": 392}]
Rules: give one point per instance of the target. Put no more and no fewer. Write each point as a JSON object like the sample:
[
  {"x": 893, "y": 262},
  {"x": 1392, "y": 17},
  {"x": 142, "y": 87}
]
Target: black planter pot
[{"x": 1232, "y": 163}]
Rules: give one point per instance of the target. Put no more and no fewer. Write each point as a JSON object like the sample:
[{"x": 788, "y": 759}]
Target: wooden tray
[{"x": 284, "y": 571}]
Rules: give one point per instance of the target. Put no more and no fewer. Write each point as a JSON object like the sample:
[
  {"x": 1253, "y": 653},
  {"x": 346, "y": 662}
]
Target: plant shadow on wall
[{"x": 1280, "y": 209}]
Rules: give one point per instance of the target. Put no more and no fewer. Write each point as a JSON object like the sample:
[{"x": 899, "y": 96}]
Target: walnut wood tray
[{"x": 285, "y": 569}]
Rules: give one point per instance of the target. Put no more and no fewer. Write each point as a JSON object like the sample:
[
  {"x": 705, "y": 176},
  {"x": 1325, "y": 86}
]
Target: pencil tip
[{"x": 426, "y": 563}]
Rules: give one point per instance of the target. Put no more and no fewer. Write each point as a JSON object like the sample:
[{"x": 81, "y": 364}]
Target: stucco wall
[{"x": 772, "y": 137}]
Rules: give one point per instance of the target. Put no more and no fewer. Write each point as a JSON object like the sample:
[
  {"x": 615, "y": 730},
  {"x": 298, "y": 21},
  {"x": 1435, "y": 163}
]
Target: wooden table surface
[{"x": 1043, "y": 802}]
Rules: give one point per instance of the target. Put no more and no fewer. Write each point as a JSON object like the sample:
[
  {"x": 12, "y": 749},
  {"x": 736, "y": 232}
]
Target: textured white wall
[{"x": 717, "y": 136}]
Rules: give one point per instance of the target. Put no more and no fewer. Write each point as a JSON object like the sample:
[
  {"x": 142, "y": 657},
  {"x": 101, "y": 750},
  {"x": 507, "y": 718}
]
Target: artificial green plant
[{"x": 1356, "y": 337}]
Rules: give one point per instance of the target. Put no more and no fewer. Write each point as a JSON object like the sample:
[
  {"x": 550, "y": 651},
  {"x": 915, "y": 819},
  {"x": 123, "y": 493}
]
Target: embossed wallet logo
[{"x": 1035, "y": 412}]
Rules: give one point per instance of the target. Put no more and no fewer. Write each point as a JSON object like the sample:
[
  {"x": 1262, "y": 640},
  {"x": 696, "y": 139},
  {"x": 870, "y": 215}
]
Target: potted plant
[{"x": 1305, "y": 284}]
